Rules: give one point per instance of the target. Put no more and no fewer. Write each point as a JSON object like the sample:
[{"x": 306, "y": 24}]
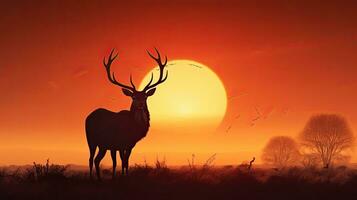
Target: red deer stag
[{"x": 120, "y": 131}]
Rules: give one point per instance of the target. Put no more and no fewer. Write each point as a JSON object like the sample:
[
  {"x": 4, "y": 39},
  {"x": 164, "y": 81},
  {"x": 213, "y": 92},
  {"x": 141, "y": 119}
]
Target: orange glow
[{"x": 283, "y": 60}]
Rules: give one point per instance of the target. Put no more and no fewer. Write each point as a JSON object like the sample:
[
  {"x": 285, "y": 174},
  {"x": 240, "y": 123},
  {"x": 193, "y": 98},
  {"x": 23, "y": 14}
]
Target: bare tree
[
  {"x": 281, "y": 151},
  {"x": 309, "y": 160},
  {"x": 328, "y": 136}
]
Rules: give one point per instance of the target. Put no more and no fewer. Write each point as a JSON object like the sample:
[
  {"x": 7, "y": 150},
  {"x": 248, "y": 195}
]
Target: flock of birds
[{"x": 259, "y": 115}]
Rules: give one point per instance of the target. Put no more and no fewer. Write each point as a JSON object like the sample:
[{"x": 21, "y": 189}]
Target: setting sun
[
  {"x": 193, "y": 92},
  {"x": 154, "y": 99}
]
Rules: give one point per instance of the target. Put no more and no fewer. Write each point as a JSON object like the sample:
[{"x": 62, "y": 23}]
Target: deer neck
[{"x": 141, "y": 118}]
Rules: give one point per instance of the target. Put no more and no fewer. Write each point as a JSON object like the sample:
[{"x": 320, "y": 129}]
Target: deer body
[
  {"x": 109, "y": 130},
  {"x": 120, "y": 131}
]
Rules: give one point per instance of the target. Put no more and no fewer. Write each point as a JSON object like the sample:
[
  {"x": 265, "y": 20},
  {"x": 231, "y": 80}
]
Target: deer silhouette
[{"x": 120, "y": 131}]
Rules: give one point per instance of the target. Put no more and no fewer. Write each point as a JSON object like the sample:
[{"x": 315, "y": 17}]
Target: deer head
[{"x": 138, "y": 97}]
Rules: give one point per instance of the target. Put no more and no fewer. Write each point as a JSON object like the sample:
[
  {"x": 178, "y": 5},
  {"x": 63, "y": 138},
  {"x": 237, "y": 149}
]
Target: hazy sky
[{"x": 288, "y": 59}]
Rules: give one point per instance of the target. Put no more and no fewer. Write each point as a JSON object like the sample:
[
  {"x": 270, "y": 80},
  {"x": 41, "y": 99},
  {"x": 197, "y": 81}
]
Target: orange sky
[{"x": 289, "y": 59}]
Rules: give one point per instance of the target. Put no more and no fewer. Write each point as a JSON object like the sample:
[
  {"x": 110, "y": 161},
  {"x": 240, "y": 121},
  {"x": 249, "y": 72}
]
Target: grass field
[{"x": 50, "y": 181}]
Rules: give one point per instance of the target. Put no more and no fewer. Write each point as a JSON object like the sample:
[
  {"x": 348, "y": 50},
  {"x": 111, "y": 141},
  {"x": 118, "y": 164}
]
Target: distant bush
[
  {"x": 41, "y": 172},
  {"x": 281, "y": 151}
]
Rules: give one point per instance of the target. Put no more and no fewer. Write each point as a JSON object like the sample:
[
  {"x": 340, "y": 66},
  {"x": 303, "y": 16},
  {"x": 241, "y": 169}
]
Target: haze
[{"x": 285, "y": 60}]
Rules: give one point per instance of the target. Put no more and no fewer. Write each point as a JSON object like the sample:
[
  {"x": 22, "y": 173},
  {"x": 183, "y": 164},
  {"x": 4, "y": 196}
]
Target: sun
[{"x": 193, "y": 96}]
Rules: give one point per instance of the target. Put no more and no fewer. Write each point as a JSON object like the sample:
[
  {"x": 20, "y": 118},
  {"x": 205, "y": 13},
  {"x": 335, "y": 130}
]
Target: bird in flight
[
  {"x": 262, "y": 115},
  {"x": 195, "y": 65},
  {"x": 258, "y": 117},
  {"x": 237, "y": 96},
  {"x": 230, "y": 126}
]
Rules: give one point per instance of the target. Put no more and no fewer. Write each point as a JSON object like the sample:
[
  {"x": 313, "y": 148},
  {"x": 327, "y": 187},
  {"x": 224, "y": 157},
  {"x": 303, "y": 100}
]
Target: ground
[{"x": 186, "y": 182}]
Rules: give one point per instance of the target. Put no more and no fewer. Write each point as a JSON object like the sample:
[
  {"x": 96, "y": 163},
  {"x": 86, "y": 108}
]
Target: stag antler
[
  {"x": 161, "y": 67},
  {"x": 111, "y": 77}
]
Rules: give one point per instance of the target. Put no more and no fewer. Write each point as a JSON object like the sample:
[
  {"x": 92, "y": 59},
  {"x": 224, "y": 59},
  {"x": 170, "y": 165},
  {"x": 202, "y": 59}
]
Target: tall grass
[{"x": 158, "y": 181}]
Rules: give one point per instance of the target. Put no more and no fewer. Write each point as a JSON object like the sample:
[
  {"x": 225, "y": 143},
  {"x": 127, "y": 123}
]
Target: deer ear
[
  {"x": 150, "y": 92},
  {"x": 127, "y": 92}
]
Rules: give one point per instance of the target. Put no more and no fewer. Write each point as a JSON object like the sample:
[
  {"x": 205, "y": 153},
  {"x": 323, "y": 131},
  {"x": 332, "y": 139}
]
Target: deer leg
[
  {"x": 127, "y": 155},
  {"x": 113, "y": 154},
  {"x": 97, "y": 160},
  {"x": 91, "y": 156},
  {"x": 122, "y": 158}
]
